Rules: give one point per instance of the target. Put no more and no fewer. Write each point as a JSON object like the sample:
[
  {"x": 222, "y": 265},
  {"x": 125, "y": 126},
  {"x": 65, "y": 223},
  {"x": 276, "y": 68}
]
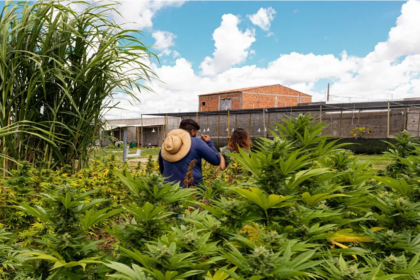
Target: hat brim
[{"x": 183, "y": 151}]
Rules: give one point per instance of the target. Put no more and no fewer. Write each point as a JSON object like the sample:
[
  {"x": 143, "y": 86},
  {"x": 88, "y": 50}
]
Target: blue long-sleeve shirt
[{"x": 175, "y": 171}]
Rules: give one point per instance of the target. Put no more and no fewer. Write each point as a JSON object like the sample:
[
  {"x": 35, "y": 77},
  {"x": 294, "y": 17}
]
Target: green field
[
  {"x": 294, "y": 209},
  {"x": 145, "y": 153},
  {"x": 378, "y": 161}
]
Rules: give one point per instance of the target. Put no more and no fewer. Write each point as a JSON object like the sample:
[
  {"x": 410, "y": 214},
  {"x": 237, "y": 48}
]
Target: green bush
[{"x": 303, "y": 208}]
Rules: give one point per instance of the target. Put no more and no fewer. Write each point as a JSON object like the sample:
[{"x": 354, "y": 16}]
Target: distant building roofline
[
  {"x": 239, "y": 90},
  {"x": 312, "y": 107}
]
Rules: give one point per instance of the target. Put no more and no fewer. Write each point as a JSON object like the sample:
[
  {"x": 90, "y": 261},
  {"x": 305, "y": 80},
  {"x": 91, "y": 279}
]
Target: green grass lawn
[
  {"x": 152, "y": 151},
  {"x": 378, "y": 161},
  {"x": 145, "y": 153}
]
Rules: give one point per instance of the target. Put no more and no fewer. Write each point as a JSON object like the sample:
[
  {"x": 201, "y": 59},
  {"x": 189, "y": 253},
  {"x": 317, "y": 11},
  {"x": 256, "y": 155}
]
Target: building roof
[
  {"x": 137, "y": 122},
  {"x": 312, "y": 107},
  {"x": 116, "y": 126},
  {"x": 243, "y": 90}
]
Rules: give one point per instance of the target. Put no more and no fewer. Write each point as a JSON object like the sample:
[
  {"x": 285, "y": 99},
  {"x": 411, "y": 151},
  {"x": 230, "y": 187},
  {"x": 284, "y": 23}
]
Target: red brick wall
[
  {"x": 306, "y": 99},
  {"x": 212, "y": 101},
  {"x": 254, "y": 101},
  {"x": 260, "y": 97},
  {"x": 256, "y": 98},
  {"x": 275, "y": 89}
]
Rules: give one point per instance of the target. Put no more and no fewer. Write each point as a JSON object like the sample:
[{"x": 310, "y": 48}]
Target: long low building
[{"x": 143, "y": 131}]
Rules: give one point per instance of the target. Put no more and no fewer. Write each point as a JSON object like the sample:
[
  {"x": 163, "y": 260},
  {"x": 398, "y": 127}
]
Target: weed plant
[{"x": 296, "y": 207}]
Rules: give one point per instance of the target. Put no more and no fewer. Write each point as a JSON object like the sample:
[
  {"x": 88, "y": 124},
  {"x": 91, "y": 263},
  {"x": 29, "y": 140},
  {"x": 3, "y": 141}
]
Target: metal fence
[{"x": 383, "y": 119}]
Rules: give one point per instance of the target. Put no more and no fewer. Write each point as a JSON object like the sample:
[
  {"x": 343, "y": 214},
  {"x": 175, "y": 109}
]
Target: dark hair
[
  {"x": 188, "y": 125},
  {"x": 240, "y": 137}
]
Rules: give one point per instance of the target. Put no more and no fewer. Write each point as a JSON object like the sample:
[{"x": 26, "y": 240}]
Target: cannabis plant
[
  {"x": 69, "y": 218},
  {"x": 405, "y": 145}
]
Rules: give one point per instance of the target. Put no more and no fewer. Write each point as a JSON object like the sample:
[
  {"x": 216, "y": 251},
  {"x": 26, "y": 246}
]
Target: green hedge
[
  {"x": 358, "y": 146},
  {"x": 367, "y": 146}
]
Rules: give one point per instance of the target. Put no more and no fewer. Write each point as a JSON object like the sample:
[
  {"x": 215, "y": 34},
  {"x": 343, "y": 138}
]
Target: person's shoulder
[
  {"x": 197, "y": 142},
  {"x": 226, "y": 150}
]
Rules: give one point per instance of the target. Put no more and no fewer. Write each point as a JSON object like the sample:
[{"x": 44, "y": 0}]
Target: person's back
[
  {"x": 176, "y": 171},
  {"x": 240, "y": 139},
  {"x": 176, "y": 155}
]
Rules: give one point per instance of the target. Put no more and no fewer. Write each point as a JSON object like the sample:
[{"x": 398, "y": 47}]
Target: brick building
[{"x": 252, "y": 98}]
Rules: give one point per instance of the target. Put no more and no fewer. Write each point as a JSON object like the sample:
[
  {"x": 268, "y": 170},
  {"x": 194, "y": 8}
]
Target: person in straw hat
[{"x": 181, "y": 147}]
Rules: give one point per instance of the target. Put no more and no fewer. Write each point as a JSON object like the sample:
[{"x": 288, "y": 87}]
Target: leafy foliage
[
  {"x": 60, "y": 69},
  {"x": 299, "y": 208}
]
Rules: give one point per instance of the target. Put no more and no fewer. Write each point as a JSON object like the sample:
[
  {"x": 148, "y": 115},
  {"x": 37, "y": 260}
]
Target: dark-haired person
[
  {"x": 240, "y": 139},
  {"x": 181, "y": 147}
]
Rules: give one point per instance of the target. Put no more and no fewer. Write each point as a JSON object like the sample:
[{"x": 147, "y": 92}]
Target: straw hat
[{"x": 176, "y": 145}]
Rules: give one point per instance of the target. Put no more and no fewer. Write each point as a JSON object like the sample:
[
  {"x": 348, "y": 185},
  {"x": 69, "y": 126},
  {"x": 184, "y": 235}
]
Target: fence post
[
  {"x": 387, "y": 126},
  {"x": 142, "y": 137},
  {"x": 137, "y": 136},
  {"x": 341, "y": 121},
  {"x": 167, "y": 125},
  {"x": 405, "y": 119}
]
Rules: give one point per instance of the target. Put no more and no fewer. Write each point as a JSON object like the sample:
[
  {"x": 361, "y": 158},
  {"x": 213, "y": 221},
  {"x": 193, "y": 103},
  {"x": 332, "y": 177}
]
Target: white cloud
[
  {"x": 164, "y": 40},
  {"x": 232, "y": 46},
  {"x": 138, "y": 14},
  {"x": 132, "y": 14},
  {"x": 263, "y": 18},
  {"x": 392, "y": 68},
  {"x": 77, "y": 6},
  {"x": 404, "y": 38},
  {"x": 175, "y": 54},
  {"x": 182, "y": 85}
]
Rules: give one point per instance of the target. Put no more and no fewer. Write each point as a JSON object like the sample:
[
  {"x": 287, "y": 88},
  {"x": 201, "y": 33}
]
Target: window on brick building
[
  {"x": 204, "y": 103},
  {"x": 226, "y": 104}
]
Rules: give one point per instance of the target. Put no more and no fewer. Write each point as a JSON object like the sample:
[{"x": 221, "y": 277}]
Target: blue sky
[
  {"x": 304, "y": 27},
  {"x": 365, "y": 50}
]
